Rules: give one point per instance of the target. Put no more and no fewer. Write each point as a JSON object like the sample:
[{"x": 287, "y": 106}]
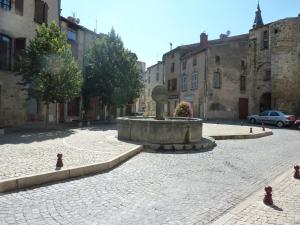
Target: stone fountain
[{"x": 160, "y": 133}]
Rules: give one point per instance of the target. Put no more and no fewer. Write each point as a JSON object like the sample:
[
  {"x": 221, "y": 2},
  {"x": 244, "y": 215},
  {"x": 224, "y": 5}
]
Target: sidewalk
[{"x": 286, "y": 208}]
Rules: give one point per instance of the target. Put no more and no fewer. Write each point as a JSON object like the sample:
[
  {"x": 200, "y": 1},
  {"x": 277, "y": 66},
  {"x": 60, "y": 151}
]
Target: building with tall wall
[
  {"x": 154, "y": 76},
  {"x": 234, "y": 76},
  {"x": 18, "y": 21}
]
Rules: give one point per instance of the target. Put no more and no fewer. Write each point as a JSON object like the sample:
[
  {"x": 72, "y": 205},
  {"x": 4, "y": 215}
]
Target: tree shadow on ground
[{"x": 34, "y": 136}]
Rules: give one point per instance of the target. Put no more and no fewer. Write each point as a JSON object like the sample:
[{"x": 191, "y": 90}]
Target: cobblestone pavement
[
  {"x": 195, "y": 188},
  {"x": 33, "y": 153},
  {"x": 286, "y": 208},
  {"x": 217, "y": 129}
]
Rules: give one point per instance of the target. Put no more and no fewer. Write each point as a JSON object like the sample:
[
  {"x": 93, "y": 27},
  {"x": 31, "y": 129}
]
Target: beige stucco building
[
  {"x": 154, "y": 76},
  {"x": 234, "y": 76},
  {"x": 18, "y": 22}
]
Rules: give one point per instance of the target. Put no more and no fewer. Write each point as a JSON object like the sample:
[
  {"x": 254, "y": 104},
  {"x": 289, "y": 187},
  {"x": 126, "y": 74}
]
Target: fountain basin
[{"x": 161, "y": 132}]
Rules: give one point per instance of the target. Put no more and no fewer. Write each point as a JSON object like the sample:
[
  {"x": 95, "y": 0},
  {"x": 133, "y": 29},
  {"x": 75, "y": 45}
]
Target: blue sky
[{"x": 148, "y": 26}]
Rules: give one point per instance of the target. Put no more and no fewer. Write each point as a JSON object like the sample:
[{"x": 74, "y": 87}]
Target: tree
[
  {"x": 110, "y": 72},
  {"x": 48, "y": 68}
]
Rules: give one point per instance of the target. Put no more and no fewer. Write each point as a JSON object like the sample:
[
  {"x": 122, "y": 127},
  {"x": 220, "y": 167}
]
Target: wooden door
[
  {"x": 61, "y": 112},
  {"x": 243, "y": 108}
]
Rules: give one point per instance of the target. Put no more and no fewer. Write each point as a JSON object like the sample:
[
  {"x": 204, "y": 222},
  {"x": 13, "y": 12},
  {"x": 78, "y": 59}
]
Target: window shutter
[
  {"x": 39, "y": 9},
  {"x": 169, "y": 85},
  {"x": 19, "y": 7},
  {"x": 20, "y": 45},
  {"x": 45, "y": 13}
]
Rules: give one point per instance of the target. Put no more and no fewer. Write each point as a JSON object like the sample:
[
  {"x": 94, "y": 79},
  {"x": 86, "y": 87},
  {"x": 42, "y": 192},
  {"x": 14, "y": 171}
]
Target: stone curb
[
  {"x": 268, "y": 132},
  {"x": 253, "y": 197},
  {"x": 38, "y": 179}
]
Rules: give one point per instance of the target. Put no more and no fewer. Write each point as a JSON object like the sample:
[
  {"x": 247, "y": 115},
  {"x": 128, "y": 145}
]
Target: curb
[
  {"x": 43, "y": 178},
  {"x": 253, "y": 197},
  {"x": 242, "y": 136}
]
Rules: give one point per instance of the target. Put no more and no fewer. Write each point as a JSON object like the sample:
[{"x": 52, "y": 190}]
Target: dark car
[
  {"x": 297, "y": 123},
  {"x": 275, "y": 117}
]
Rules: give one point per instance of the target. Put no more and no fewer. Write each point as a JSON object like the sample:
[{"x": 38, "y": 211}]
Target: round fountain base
[
  {"x": 204, "y": 144},
  {"x": 171, "y": 134}
]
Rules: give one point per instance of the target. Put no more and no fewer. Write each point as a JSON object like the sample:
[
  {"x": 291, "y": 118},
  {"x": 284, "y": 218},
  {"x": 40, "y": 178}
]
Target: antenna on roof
[
  {"x": 96, "y": 28},
  {"x": 171, "y": 46}
]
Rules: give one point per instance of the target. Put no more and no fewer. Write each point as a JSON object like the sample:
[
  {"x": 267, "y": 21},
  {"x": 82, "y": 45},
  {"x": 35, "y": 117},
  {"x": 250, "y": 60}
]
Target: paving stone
[{"x": 159, "y": 188}]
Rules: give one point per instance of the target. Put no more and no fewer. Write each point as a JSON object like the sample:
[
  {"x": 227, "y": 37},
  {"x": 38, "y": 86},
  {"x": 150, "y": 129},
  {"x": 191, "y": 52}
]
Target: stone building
[
  {"x": 153, "y": 76},
  {"x": 274, "y": 65},
  {"x": 80, "y": 39},
  {"x": 18, "y": 22},
  {"x": 139, "y": 104},
  {"x": 232, "y": 77}
]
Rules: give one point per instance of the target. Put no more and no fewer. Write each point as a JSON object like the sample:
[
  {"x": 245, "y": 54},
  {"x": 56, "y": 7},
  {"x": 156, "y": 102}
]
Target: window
[
  {"x": 73, "y": 107},
  {"x": 274, "y": 114},
  {"x": 184, "y": 65},
  {"x": 267, "y": 76},
  {"x": 242, "y": 83},
  {"x": 266, "y": 113},
  {"x": 19, "y": 7},
  {"x": 217, "y": 80},
  {"x": 41, "y": 12},
  {"x": 194, "y": 81},
  {"x": 157, "y": 76},
  {"x": 172, "y": 85},
  {"x": 218, "y": 60},
  {"x": 0, "y": 95},
  {"x": 20, "y": 45},
  {"x": 194, "y": 60},
  {"x": 172, "y": 67},
  {"x": 265, "y": 40},
  {"x": 149, "y": 79},
  {"x": 72, "y": 36},
  {"x": 183, "y": 82},
  {"x": 243, "y": 65},
  {"x": 5, "y": 52},
  {"x": 5, "y": 4}
]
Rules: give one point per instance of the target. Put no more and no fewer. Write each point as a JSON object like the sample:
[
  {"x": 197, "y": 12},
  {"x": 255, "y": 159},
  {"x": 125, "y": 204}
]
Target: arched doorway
[{"x": 265, "y": 102}]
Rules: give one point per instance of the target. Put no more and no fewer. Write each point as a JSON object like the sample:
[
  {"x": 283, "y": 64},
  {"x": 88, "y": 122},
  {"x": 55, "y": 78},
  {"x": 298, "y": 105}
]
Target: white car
[{"x": 274, "y": 117}]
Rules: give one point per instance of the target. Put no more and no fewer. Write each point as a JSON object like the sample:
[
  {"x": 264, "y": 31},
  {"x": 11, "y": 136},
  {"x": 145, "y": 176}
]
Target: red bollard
[
  {"x": 297, "y": 172},
  {"x": 59, "y": 162},
  {"x": 268, "y": 197}
]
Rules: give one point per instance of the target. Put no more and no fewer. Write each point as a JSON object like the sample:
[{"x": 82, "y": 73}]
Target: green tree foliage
[
  {"x": 110, "y": 72},
  {"x": 48, "y": 68},
  {"x": 184, "y": 109}
]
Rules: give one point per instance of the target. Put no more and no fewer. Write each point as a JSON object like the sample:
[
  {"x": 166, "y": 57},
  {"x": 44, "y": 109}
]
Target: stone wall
[
  {"x": 13, "y": 101},
  {"x": 223, "y": 102}
]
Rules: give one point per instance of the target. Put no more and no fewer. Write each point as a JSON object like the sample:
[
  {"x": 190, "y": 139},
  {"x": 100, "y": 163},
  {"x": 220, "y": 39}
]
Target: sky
[{"x": 147, "y": 27}]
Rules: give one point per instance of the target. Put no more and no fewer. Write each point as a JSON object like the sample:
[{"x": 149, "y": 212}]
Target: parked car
[
  {"x": 278, "y": 118},
  {"x": 297, "y": 123}
]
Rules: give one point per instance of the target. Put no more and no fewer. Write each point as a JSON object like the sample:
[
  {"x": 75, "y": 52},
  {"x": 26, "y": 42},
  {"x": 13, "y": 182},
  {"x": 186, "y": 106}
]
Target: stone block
[{"x": 178, "y": 147}]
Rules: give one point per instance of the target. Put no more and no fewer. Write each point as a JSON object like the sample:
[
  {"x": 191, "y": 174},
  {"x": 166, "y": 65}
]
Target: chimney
[{"x": 203, "y": 40}]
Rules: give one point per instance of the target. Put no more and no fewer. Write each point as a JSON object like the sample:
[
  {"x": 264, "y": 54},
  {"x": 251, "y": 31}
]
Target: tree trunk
[{"x": 47, "y": 114}]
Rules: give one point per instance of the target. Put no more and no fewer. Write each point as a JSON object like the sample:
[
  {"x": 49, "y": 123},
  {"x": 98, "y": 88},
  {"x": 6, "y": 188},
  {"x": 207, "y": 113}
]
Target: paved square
[{"x": 159, "y": 188}]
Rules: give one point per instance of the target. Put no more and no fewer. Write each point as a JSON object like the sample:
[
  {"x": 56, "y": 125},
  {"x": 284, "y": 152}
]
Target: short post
[
  {"x": 59, "y": 163},
  {"x": 263, "y": 127},
  {"x": 251, "y": 130},
  {"x": 268, "y": 196},
  {"x": 297, "y": 172}
]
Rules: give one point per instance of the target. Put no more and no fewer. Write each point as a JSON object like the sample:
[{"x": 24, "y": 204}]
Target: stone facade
[
  {"x": 232, "y": 77},
  {"x": 80, "y": 39},
  {"x": 153, "y": 76},
  {"x": 17, "y": 26},
  {"x": 139, "y": 105},
  {"x": 275, "y": 67}
]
